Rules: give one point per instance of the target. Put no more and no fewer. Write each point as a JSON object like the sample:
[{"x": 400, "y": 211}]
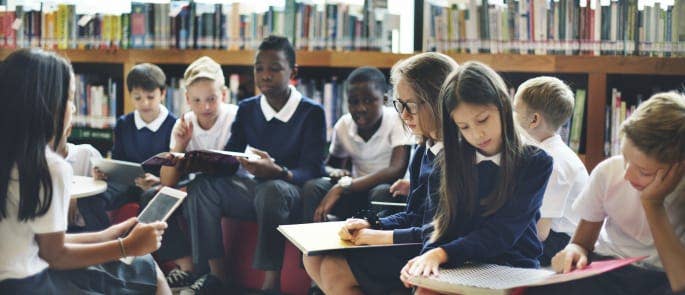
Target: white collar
[
  {"x": 155, "y": 124},
  {"x": 495, "y": 159},
  {"x": 551, "y": 141},
  {"x": 288, "y": 109},
  {"x": 434, "y": 147}
]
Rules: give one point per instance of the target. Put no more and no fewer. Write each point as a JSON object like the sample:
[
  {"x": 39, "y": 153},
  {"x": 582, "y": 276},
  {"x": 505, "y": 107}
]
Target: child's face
[
  {"x": 272, "y": 72},
  {"x": 417, "y": 116},
  {"x": 204, "y": 97},
  {"x": 365, "y": 103},
  {"x": 640, "y": 168},
  {"x": 147, "y": 102},
  {"x": 70, "y": 108},
  {"x": 480, "y": 125}
]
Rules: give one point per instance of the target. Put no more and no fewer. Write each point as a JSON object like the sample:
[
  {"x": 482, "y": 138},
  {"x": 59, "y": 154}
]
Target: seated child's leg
[
  {"x": 276, "y": 202},
  {"x": 337, "y": 277},
  {"x": 554, "y": 243},
  {"x": 313, "y": 192},
  {"x": 210, "y": 198},
  {"x": 94, "y": 213}
]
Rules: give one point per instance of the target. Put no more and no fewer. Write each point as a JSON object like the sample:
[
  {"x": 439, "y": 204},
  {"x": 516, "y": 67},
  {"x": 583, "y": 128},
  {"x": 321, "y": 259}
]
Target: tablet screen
[{"x": 158, "y": 208}]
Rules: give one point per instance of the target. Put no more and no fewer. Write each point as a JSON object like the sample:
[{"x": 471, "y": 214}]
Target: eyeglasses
[{"x": 400, "y": 106}]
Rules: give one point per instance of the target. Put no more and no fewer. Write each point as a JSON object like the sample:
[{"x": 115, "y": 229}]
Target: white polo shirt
[
  {"x": 626, "y": 232},
  {"x": 78, "y": 156},
  {"x": 569, "y": 177},
  {"x": 18, "y": 245},
  {"x": 372, "y": 155},
  {"x": 214, "y": 138}
]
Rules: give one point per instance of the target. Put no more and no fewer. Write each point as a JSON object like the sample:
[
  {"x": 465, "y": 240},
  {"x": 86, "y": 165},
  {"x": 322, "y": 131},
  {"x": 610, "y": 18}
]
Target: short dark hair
[
  {"x": 146, "y": 76},
  {"x": 281, "y": 44},
  {"x": 368, "y": 74}
]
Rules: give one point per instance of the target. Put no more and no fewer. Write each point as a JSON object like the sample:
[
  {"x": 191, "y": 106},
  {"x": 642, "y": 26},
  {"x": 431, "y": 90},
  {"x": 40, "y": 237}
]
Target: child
[
  {"x": 138, "y": 136},
  {"x": 416, "y": 83},
  {"x": 372, "y": 138},
  {"x": 639, "y": 197},
  {"x": 287, "y": 130},
  {"x": 206, "y": 126},
  {"x": 541, "y": 106},
  {"x": 37, "y": 256},
  {"x": 492, "y": 184}
]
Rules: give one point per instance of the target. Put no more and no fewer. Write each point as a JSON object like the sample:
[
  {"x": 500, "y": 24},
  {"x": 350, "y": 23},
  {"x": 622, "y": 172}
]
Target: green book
[{"x": 577, "y": 122}]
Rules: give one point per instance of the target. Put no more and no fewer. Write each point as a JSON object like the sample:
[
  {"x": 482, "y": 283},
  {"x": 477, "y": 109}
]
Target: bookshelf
[{"x": 599, "y": 70}]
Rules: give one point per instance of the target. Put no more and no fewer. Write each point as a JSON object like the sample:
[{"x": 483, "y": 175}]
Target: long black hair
[
  {"x": 35, "y": 90},
  {"x": 478, "y": 84}
]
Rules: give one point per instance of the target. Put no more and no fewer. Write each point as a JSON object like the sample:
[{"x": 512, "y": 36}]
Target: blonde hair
[
  {"x": 549, "y": 96},
  {"x": 424, "y": 73},
  {"x": 657, "y": 127}
]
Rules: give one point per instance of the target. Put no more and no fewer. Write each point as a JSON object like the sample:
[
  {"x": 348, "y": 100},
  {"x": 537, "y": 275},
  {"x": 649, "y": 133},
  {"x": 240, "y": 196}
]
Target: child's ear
[
  {"x": 163, "y": 94},
  {"x": 293, "y": 74},
  {"x": 536, "y": 119}
]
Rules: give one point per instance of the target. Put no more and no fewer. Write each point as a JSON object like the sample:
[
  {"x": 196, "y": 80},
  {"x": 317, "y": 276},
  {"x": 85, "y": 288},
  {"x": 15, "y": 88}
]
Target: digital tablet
[{"x": 119, "y": 171}]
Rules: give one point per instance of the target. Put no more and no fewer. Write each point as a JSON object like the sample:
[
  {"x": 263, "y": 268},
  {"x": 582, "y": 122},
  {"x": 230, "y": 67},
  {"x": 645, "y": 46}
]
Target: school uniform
[
  {"x": 134, "y": 141},
  {"x": 367, "y": 157},
  {"x": 626, "y": 233},
  {"x": 508, "y": 236},
  {"x": 214, "y": 138},
  {"x": 295, "y": 138},
  {"x": 23, "y": 271},
  {"x": 377, "y": 269},
  {"x": 568, "y": 178}
]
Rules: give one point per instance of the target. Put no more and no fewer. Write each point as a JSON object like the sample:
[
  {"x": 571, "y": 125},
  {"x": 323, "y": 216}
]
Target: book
[
  {"x": 322, "y": 237},
  {"x": 209, "y": 156},
  {"x": 498, "y": 279},
  {"x": 119, "y": 171}
]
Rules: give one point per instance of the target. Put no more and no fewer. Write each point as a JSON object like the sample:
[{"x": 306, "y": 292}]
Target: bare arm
[
  {"x": 575, "y": 253},
  {"x": 398, "y": 165},
  {"x": 544, "y": 226},
  {"x": 671, "y": 250}
]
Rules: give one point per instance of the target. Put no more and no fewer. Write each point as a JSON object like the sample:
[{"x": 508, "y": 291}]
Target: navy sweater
[
  {"x": 298, "y": 144},
  {"x": 508, "y": 236},
  {"x": 133, "y": 145},
  {"x": 424, "y": 181}
]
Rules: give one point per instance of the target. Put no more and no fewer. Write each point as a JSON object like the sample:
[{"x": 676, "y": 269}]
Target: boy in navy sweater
[
  {"x": 288, "y": 132},
  {"x": 137, "y": 136}
]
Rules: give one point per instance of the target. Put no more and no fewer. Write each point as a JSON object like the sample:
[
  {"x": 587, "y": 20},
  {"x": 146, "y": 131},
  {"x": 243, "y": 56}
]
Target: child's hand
[
  {"x": 336, "y": 174},
  {"x": 118, "y": 229},
  {"x": 144, "y": 238},
  {"x": 147, "y": 181},
  {"x": 98, "y": 175},
  {"x": 400, "y": 188},
  {"x": 327, "y": 203},
  {"x": 183, "y": 134},
  {"x": 424, "y": 265},
  {"x": 573, "y": 256},
  {"x": 350, "y": 226},
  {"x": 265, "y": 167},
  {"x": 663, "y": 184}
]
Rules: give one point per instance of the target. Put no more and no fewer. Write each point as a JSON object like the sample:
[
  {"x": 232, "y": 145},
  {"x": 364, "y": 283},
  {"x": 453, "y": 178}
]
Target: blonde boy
[{"x": 542, "y": 105}]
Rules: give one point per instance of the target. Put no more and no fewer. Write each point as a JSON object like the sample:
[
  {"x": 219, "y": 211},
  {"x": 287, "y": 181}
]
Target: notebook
[
  {"x": 498, "y": 279},
  {"x": 322, "y": 237}
]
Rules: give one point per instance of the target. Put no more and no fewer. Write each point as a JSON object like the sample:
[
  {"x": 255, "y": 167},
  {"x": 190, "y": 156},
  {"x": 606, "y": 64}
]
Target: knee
[
  {"x": 201, "y": 182},
  {"x": 270, "y": 195},
  {"x": 379, "y": 192}
]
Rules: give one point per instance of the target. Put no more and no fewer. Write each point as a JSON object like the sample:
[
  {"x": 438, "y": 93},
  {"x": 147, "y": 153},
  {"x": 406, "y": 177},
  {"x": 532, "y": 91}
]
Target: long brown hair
[
  {"x": 424, "y": 73},
  {"x": 473, "y": 83}
]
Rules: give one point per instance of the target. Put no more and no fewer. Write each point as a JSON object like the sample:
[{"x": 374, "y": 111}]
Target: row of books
[
  {"x": 96, "y": 101},
  {"x": 329, "y": 93},
  {"x": 616, "y": 112},
  {"x": 565, "y": 27},
  {"x": 195, "y": 25}
]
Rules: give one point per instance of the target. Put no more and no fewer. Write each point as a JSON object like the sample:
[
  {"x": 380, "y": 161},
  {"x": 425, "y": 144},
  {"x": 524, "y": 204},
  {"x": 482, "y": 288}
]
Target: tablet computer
[
  {"x": 119, "y": 171},
  {"x": 160, "y": 208}
]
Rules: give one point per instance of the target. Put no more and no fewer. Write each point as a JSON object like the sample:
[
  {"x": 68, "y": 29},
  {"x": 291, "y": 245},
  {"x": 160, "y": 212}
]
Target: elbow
[{"x": 55, "y": 258}]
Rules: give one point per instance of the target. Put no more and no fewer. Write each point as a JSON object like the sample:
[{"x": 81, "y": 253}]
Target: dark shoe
[
  {"x": 206, "y": 284},
  {"x": 178, "y": 279},
  {"x": 315, "y": 290}
]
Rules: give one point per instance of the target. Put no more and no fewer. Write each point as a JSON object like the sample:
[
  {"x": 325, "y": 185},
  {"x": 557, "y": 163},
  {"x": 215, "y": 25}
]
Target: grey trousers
[
  {"x": 269, "y": 202},
  {"x": 315, "y": 190}
]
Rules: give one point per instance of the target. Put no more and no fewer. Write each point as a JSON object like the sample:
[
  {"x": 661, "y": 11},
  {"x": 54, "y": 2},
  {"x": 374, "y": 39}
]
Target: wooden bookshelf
[{"x": 596, "y": 67}]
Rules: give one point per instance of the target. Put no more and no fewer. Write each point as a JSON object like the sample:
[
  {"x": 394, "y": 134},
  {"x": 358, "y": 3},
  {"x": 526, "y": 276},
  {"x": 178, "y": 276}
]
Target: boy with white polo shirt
[
  {"x": 373, "y": 139},
  {"x": 542, "y": 105},
  {"x": 206, "y": 126}
]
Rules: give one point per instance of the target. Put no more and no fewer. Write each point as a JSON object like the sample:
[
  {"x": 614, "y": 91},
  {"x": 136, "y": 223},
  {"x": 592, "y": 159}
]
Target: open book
[
  {"x": 209, "y": 156},
  {"x": 497, "y": 279},
  {"x": 321, "y": 237}
]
